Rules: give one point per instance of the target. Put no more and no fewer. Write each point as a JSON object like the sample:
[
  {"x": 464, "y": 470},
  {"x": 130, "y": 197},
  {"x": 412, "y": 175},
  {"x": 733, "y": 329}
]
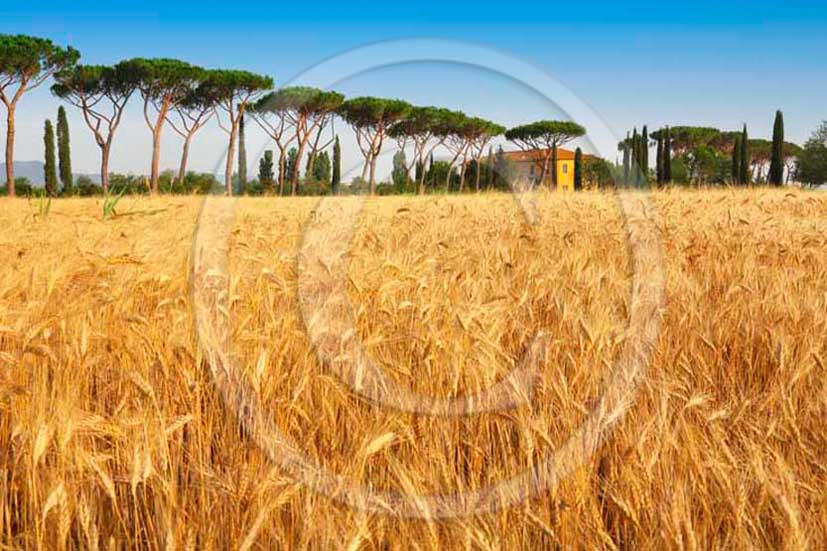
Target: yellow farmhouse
[{"x": 529, "y": 166}]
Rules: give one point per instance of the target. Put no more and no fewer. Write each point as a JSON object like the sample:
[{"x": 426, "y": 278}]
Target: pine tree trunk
[
  {"x": 242, "y": 157},
  {"x": 182, "y": 168},
  {"x": 296, "y": 167},
  {"x": 554, "y": 167},
  {"x": 490, "y": 183},
  {"x": 156, "y": 145},
  {"x": 422, "y": 173},
  {"x": 105, "y": 167},
  {"x": 282, "y": 168},
  {"x": 373, "y": 175},
  {"x": 543, "y": 170},
  {"x": 228, "y": 170},
  {"x": 10, "y": 151},
  {"x": 448, "y": 178},
  {"x": 156, "y": 158}
]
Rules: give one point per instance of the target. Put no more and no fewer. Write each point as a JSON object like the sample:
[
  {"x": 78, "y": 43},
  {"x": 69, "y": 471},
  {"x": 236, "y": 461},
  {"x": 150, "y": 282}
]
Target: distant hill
[{"x": 33, "y": 170}]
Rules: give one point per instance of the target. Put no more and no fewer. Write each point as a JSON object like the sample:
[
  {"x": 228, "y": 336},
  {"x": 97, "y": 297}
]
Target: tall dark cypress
[
  {"x": 644, "y": 156},
  {"x": 635, "y": 158},
  {"x": 49, "y": 168},
  {"x": 639, "y": 165},
  {"x": 265, "y": 172},
  {"x": 627, "y": 162},
  {"x": 667, "y": 157},
  {"x": 744, "y": 178},
  {"x": 242, "y": 157},
  {"x": 777, "y": 159},
  {"x": 336, "y": 177},
  {"x": 735, "y": 170},
  {"x": 64, "y": 154},
  {"x": 578, "y": 169},
  {"x": 659, "y": 159}
]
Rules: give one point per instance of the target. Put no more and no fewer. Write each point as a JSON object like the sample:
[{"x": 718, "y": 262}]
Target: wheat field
[{"x": 114, "y": 433}]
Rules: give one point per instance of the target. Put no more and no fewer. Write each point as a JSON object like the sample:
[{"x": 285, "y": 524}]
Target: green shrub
[
  {"x": 22, "y": 187},
  {"x": 85, "y": 187}
]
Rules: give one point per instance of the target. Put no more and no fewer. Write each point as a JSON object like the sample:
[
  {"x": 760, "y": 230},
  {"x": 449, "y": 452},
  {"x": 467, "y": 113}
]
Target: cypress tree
[
  {"x": 744, "y": 168},
  {"x": 242, "y": 157},
  {"x": 321, "y": 168},
  {"x": 578, "y": 169},
  {"x": 736, "y": 162},
  {"x": 309, "y": 166},
  {"x": 635, "y": 158},
  {"x": 265, "y": 172},
  {"x": 336, "y": 176},
  {"x": 64, "y": 151},
  {"x": 292, "y": 159},
  {"x": 777, "y": 160},
  {"x": 626, "y": 161},
  {"x": 49, "y": 168},
  {"x": 644, "y": 152},
  {"x": 659, "y": 159},
  {"x": 667, "y": 157}
]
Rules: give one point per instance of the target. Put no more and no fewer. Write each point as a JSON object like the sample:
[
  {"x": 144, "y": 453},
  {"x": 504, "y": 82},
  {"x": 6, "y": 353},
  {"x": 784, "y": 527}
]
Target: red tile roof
[{"x": 539, "y": 155}]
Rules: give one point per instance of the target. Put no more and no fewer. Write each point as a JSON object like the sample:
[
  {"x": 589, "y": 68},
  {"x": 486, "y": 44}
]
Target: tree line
[
  {"x": 701, "y": 156},
  {"x": 299, "y": 121}
]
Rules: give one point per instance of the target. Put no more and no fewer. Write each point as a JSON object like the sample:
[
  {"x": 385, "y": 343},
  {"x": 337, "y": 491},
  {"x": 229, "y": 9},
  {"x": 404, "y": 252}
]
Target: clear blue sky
[{"x": 708, "y": 63}]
